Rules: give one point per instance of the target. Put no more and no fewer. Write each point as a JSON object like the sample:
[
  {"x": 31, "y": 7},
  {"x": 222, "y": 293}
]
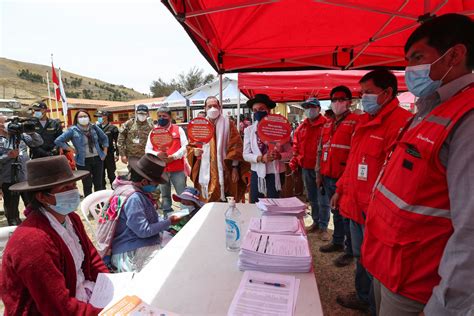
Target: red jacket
[
  {"x": 336, "y": 144},
  {"x": 305, "y": 142},
  {"x": 38, "y": 271},
  {"x": 370, "y": 145},
  {"x": 409, "y": 220}
]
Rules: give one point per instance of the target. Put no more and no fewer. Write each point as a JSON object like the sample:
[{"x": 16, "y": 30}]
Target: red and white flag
[{"x": 56, "y": 84}]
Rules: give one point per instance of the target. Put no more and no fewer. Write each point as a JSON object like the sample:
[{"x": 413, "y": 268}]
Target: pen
[
  {"x": 267, "y": 283},
  {"x": 266, "y": 244},
  {"x": 258, "y": 245}
]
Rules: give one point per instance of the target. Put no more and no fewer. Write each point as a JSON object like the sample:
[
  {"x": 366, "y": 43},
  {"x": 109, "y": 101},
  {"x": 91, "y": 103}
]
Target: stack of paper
[
  {"x": 286, "y": 206},
  {"x": 284, "y": 225},
  {"x": 275, "y": 253},
  {"x": 265, "y": 294}
]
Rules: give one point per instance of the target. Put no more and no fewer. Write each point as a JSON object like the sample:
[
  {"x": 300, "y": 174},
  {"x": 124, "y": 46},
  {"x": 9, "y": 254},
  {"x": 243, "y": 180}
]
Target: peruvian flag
[{"x": 56, "y": 84}]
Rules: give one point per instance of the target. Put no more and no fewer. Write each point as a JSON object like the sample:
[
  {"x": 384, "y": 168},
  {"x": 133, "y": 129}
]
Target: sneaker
[
  {"x": 325, "y": 236},
  {"x": 343, "y": 260},
  {"x": 353, "y": 302},
  {"x": 331, "y": 248}
]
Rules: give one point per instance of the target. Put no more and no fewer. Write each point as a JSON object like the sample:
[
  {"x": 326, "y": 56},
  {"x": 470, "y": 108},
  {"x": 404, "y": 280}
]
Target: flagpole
[
  {"x": 49, "y": 92},
  {"x": 63, "y": 98},
  {"x": 55, "y": 99}
]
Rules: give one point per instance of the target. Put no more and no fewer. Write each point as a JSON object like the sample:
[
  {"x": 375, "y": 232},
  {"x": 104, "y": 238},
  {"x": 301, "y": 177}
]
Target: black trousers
[
  {"x": 10, "y": 203},
  {"x": 110, "y": 167},
  {"x": 96, "y": 168}
]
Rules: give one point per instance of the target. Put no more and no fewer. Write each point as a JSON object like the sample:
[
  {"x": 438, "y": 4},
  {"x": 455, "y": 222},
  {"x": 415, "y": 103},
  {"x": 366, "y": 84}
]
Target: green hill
[{"x": 27, "y": 82}]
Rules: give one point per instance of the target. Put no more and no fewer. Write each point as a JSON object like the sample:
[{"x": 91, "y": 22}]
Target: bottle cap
[{"x": 231, "y": 200}]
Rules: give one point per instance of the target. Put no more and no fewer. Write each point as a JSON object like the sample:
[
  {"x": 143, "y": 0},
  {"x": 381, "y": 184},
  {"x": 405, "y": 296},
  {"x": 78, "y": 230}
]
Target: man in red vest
[
  {"x": 377, "y": 130},
  {"x": 420, "y": 226},
  {"x": 305, "y": 146},
  {"x": 334, "y": 147},
  {"x": 174, "y": 158}
]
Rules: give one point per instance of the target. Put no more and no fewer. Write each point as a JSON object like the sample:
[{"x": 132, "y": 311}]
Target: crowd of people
[{"x": 397, "y": 185}]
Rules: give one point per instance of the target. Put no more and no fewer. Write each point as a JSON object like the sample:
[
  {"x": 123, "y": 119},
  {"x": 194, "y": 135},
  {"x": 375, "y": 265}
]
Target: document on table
[
  {"x": 109, "y": 288},
  {"x": 276, "y": 224},
  {"x": 292, "y": 203},
  {"x": 277, "y": 245},
  {"x": 262, "y": 293}
]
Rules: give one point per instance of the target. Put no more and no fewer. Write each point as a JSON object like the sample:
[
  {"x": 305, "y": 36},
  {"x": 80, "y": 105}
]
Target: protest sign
[
  {"x": 161, "y": 139},
  {"x": 274, "y": 130},
  {"x": 200, "y": 130}
]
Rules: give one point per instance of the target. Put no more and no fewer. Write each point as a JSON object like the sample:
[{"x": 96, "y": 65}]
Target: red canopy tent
[
  {"x": 299, "y": 85},
  {"x": 269, "y": 35}
]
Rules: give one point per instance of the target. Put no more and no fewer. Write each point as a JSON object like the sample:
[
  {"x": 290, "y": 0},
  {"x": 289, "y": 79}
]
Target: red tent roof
[
  {"x": 264, "y": 35},
  {"x": 299, "y": 85}
]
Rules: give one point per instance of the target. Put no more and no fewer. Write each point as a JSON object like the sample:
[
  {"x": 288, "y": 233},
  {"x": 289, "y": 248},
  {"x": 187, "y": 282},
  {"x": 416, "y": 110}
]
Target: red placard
[
  {"x": 274, "y": 129},
  {"x": 200, "y": 130},
  {"x": 161, "y": 139}
]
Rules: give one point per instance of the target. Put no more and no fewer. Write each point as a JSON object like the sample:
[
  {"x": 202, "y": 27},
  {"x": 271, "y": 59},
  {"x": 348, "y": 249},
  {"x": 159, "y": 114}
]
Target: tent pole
[
  {"x": 220, "y": 91},
  {"x": 238, "y": 109}
]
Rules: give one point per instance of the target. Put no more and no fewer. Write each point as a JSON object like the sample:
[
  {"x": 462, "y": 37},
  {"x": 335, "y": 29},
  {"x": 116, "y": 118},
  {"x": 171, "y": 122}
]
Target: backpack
[{"x": 108, "y": 218}]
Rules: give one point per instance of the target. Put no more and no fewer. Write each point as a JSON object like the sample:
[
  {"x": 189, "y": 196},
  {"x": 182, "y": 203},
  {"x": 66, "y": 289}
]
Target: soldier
[
  {"x": 132, "y": 139},
  {"x": 112, "y": 133},
  {"x": 48, "y": 129}
]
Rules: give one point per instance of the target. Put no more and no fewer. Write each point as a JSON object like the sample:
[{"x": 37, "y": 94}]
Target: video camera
[{"x": 18, "y": 125}]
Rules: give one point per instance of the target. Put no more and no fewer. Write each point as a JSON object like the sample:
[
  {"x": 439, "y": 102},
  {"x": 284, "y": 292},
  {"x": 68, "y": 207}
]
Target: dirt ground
[{"x": 332, "y": 281}]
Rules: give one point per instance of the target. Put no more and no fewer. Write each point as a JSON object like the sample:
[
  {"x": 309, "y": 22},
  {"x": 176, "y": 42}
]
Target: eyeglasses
[{"x": 340, "y": 99}]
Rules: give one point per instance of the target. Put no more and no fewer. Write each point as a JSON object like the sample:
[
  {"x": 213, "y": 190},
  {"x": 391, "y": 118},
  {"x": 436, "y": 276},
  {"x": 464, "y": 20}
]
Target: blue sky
[{"x": 118, "y": 41}]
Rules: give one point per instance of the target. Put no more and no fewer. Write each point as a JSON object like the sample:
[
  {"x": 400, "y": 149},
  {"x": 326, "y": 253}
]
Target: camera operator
[
  {"x": 15, "y": 136},
  {"x": 48, "y": 129}
]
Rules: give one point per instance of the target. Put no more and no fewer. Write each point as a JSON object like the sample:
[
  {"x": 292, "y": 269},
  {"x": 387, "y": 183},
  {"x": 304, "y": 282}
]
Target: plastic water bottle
[{"x": 232, "y": 226}]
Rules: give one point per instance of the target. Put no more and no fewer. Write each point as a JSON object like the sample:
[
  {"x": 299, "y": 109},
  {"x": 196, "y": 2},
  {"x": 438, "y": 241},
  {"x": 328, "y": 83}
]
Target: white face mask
[
  {"x": 311, "y": 113},
  {"x": 141, "y": 117},
  {"x": 83, "y": 120},
  {"x": 339, "y": 107},
  {"x": 213, "y": 113}
]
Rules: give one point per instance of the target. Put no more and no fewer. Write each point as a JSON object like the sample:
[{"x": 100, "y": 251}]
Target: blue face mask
[
  {"x": 369, "y": 103},
  {"x": 257, "y": 116},
  {"x": 163, "y": 122},
  {"x": 66, "y": 202},
  {"x": 100, "y": 120},
  {"x": 149, "y": 188},
  {"x": 418, "y": 78},
  {"x": 38, "y": 114}
]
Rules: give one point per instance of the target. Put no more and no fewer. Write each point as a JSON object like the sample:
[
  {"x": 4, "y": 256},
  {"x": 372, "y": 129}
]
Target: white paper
[
  {"x": 277, "y": 245},
  {"x": 261, "y": 298},
  {"x": 181, "y": 213},
  {"x": 110, "y": 288},
  {"x": 275, "y": 224}
]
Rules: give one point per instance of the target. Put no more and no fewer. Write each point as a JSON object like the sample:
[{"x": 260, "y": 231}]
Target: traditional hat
[
  {"x": 150, "y": 167},
  {"x": 47, "y": 172},
  {"x": 261, "y": 98},
  {"x": 189, "y": 194}
]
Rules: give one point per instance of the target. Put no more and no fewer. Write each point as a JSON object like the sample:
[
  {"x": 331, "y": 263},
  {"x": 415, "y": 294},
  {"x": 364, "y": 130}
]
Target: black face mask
[
  {"x": 257, "y": 116},
  {"x": 163, "y": 122}
]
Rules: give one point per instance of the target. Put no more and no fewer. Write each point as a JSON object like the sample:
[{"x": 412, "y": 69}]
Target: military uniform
[
  {"x": 49, "y": 132},
  {"x": 132, "y": 139}
]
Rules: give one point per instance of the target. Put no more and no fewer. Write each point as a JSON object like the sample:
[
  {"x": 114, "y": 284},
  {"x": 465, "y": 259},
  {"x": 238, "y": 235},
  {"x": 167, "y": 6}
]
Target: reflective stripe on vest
[
  {"x": 443, "y": 121},
  {"x": 418, "y": 209},
  {"x": 340, "y": 146}
]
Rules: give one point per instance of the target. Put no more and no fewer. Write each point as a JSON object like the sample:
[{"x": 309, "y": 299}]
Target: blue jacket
[
  {"x": 138, "y": 225},
  {"x": 75, "y": 135}
]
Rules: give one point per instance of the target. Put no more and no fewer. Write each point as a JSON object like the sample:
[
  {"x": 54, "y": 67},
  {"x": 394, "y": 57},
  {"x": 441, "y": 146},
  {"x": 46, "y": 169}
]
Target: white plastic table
[{"x": 195, "y": 274}]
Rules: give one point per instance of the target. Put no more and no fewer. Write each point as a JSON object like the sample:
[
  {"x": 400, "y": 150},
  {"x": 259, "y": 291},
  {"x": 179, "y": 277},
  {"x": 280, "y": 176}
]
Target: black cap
[
  {"x": 102, "y": 113},
  {"x": 261, "y": 98},
  {"x": 39, "y": 106},
  {"x": 142, "y": 108}
]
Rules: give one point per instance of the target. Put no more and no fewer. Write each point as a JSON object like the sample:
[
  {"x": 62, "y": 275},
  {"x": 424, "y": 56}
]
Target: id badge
[
  {"x": 136, "y": 140},
  {"x": 325, "y": 156},
  {"x": 363, "y": 171}
]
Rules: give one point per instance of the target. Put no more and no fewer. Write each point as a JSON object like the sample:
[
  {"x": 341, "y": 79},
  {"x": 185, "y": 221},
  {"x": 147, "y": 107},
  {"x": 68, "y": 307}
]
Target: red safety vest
[
  {"x": 408, "y": 222},
  {"x": 178, "y": 164},
  {"x": 336, "y": 144},
  {"x": 370, "y": 145}
]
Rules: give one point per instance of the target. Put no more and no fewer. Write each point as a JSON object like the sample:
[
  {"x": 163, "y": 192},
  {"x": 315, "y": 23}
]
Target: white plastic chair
[
  {"x": 5, "y": 234},
  {"x": 93, "y": 204}
]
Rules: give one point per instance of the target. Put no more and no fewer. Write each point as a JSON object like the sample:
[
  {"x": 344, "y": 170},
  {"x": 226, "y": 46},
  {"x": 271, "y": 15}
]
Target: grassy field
[{"x": 14, "y": 87}]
